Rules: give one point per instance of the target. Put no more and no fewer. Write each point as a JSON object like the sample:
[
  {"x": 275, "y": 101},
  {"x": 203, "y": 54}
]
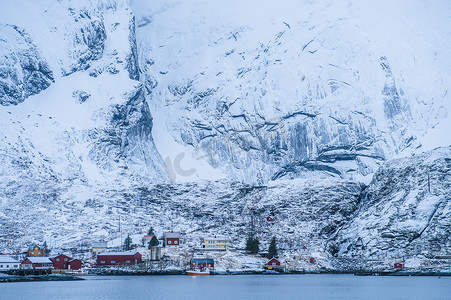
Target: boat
[{"x": 205, "y": 271}]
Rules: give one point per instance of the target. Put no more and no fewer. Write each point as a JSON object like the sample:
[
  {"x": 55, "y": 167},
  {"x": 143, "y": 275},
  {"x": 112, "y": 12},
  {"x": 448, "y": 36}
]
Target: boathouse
[
  {"x": 119, "y": 258},
  {"x": 273, "y": 263},
  {"x": 37, "y": 263},
  {"x": 200, "y": 263}
]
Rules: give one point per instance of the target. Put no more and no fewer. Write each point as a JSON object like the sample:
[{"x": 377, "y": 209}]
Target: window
[
  {"x": 102, "y": 262},
  {"x": 113, "y": 261},
  {"x": 15, "y": 266},
  {"x": 57, "y": 259},
  {"x": 65, "y": 259},
  {"x": 175, "y": 242},
  {"x": 273, "y": 264},
  {"x": 169, "y": 242},
  {"x": 39, "y": 252},
  {"x": 127, "y": 261},
  {"x": 1, "y": 266}
]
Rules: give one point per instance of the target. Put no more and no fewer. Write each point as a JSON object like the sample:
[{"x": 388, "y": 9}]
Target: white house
[{"x": 8, "y": 263}]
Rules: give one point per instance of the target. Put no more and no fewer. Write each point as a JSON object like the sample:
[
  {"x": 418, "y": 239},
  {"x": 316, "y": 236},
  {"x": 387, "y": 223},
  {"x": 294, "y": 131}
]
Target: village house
[
  {"x": 64, "y": 262},
  {"x": 119, "y": 258},
  {"x": 172, "y": 239},
  {"x": 99, "y": 247},
  {"x": 216, "y": 243},
  {"x": 273, "y": 263},
  {"x": 8, "y": 263},
  {"x": 74, "y": 264},
  {"x": 37, "y": 250},
  {"x": 36, "y": 263},
  {"x": 200, "y": 263},
  {"x": 398, "y": 265}
]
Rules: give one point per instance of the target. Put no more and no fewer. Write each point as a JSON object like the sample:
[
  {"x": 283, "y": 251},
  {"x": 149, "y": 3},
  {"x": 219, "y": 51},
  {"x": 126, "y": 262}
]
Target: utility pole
[
  {"x": 120, "y": 231},
  {"x": 429, "y": 182}
]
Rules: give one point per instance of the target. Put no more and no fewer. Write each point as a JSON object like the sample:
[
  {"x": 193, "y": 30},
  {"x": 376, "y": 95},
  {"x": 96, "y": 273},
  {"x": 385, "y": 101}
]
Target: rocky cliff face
[
  {"x": 92, "y": 122},
  {"x": 304, "y": 89},
  {"x": 405, "y": 211},
  {"x": 23, "y": 71}
]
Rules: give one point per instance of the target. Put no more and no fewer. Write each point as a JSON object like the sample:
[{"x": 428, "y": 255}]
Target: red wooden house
[
  {"x": 37, "y": 262},
  {"x": 65, "y": 262},
  {"x": 74, "y": 264},
  {"x": 398, "y": 265},
  {"x": 172, "y": 238},
  {"x": 273, "y": 263},
  {"x": 119, "y": 258},
  {"x": 269, "y": 219},
  {"x": 312, "y": 260},
  {"x": 60, "y": 261},
  {"x": 200, "y": 263}
]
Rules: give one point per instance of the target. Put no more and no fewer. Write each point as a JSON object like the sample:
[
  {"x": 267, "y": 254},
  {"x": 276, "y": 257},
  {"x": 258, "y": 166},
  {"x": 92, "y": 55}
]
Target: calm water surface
[{"x": 234, "y": 287}]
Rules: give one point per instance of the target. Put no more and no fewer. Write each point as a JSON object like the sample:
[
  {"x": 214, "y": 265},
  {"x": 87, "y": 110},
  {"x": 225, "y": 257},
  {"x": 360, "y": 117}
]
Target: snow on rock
[
  {"x": 289, "y": 89},
  {"x": 405, "y": 211},
  {"x": 23, "y": 71}
]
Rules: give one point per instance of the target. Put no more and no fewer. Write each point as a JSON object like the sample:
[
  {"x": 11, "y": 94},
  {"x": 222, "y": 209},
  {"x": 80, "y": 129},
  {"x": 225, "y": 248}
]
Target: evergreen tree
[
  {"x": 255, "y": 247},
  {"x": 252, "y": 244},
  {"x": 154, "y": 242},
  {"x": 128, "y": 243},
  {"x": 150, "y": 232},
  {"x": 272, "y": 250}
]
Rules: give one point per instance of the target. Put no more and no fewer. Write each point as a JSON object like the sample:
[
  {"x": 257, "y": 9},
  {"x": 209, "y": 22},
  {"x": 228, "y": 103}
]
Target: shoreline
[
  {"x": 269, "y": 272},
  {"x": 36, "y": 278}
]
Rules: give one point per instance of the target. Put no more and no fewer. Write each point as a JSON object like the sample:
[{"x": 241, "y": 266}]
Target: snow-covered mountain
[
  {"x": 207, "y": 116},
  {"x": 266, "y": 90}
]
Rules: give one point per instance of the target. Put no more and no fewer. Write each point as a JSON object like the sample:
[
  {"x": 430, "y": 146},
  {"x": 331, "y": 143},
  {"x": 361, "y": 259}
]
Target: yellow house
[
  {"x": 37, "y": 250},
  {"x": 99, "y": 247},
  {"x": 216, "y": 243}
]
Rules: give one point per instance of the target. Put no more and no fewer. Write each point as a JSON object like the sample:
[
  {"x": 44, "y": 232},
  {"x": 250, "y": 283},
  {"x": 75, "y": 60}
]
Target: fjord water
[{"x": 235, "y": 287}]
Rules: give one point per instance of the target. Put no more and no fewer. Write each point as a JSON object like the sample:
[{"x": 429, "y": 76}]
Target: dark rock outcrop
[{"x": 23, "y": 70}]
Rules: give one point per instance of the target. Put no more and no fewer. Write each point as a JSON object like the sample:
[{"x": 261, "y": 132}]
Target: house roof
[
  {"x": 31, "y": 247},
  {"x": 216, "y": 238},
  {"x": 273, "y": 259},
  {"x": 59, "y": 255},
  {"x": 7, "y": 259},
  {"x": 40, "y": 260},
  {"x": 172, "y": 235},
  {"x": 202, "y": 260},
  {"x": 118, "y": 253},
  {"x": 74, "y": 259},
  {"x": 99, "y": 245},
  {"x": 148, "y": 237}
]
